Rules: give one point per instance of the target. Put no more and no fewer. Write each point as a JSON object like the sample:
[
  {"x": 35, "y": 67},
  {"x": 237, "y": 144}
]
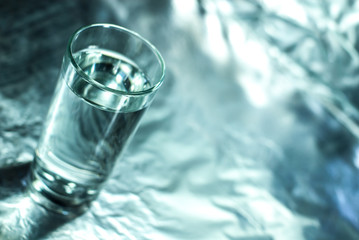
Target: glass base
[{"x": 58, "y": 194}]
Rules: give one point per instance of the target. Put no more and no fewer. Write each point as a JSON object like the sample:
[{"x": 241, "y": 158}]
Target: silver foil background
[{"x": 253, "y": 135}]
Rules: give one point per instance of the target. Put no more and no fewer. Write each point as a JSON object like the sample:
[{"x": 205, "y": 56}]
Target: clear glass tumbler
[{"x": 108, "y": 78}]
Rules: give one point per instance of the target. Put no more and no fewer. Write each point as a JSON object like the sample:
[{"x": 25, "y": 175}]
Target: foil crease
[{"x": 252, "y": 136}]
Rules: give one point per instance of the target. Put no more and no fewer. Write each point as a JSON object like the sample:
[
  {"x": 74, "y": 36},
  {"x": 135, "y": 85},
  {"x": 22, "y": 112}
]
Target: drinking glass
[{"x": 108, "y": 78}]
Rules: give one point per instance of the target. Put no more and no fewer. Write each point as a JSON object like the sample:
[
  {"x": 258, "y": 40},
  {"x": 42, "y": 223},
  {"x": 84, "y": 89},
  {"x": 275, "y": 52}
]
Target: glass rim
[{"x": 90, "y": 80}]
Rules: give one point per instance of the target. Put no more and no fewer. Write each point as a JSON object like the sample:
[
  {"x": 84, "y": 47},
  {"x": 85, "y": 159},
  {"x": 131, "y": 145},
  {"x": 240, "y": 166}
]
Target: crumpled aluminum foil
[{"x": 252, "y": 136}]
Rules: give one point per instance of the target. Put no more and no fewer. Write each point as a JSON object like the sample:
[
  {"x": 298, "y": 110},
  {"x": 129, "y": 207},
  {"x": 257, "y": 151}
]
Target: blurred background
[{"x": 253, "y": 135}]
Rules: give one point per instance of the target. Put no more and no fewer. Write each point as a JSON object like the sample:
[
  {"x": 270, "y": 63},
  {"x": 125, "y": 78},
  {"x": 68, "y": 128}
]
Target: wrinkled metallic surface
[{"x": 253, "y": 135}]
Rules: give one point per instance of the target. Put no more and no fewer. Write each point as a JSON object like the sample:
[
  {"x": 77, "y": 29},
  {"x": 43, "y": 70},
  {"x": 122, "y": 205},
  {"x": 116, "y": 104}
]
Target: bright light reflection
[
  {"x": 356, "y": 157},
  {"x": 184, "y": 8},
  {"x": 216, "y": 44}
]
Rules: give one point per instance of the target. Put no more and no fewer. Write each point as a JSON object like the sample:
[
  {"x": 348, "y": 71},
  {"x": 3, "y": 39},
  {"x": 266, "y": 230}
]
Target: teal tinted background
[{"x": 253, "y": 134}]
